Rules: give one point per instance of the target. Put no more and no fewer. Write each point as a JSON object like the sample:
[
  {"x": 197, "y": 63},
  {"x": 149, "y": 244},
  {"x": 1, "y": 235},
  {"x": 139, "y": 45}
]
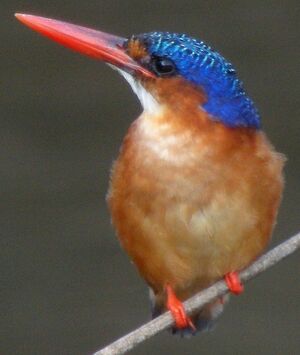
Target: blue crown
[{"x": 202, "y": 66}]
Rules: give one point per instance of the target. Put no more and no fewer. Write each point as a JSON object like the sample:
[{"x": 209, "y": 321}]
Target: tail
[{"x": 204, "y": 320}]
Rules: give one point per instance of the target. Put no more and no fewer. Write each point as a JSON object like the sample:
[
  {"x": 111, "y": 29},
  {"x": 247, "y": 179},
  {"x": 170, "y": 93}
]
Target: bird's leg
[
  {"x": 233, "y": 282},
  {"x": 175, "y": 306}
]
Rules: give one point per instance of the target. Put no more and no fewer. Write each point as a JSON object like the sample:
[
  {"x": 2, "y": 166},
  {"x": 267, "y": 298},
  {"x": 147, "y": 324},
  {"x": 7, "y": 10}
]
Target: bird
[{"x": 195, "y": 190}]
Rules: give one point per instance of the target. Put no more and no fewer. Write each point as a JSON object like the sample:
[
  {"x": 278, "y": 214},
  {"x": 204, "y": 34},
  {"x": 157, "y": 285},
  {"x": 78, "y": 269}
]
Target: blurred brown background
[{"x": 67, "y": 288}]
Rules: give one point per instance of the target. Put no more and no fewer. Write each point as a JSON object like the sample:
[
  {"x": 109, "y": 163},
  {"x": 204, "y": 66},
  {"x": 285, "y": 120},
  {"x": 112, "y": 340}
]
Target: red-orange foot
[
  {"x": 233, "y": 282},
  {"x": 177, "y": 310}
]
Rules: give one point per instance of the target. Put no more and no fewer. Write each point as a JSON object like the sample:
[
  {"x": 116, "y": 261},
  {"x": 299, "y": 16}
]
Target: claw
[
  {"x": 233, "y": 282},
  {"x": 176, "y": 308}
]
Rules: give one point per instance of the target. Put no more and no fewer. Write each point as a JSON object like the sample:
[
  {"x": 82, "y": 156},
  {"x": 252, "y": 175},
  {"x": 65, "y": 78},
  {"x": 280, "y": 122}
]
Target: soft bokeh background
[{"x": 67, "y": 287}]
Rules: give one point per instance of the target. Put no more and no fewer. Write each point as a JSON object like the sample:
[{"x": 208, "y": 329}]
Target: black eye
[{"x": 163, "y": 66}]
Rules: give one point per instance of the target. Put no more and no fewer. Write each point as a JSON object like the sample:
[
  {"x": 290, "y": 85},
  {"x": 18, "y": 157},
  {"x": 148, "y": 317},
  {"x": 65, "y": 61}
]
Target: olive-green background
[{"x": 66, "y": 286}]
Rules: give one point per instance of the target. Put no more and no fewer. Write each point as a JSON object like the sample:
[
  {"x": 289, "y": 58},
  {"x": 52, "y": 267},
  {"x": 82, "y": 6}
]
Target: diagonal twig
[{"x": 132, "y": 339}]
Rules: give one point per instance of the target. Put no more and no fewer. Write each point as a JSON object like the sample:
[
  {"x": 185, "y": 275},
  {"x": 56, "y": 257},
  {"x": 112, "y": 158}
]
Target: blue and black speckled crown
[{"x": 202, "y": 66}]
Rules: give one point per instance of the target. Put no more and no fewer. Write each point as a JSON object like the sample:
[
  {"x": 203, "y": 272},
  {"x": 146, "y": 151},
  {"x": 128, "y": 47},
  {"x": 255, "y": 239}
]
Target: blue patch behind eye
[{"x": 199, "y": 64}]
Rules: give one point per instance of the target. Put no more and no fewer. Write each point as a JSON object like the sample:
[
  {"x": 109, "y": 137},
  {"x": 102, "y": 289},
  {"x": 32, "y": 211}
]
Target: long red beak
[{"x": 96, "y": 44}]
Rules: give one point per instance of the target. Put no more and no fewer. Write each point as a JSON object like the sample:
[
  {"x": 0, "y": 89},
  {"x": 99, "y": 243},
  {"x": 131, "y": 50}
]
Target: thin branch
[{"x": 131, "y": 340}]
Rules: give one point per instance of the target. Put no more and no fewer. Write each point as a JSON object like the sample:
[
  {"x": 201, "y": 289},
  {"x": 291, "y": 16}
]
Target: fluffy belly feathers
[{"x": 188, "y": 208}]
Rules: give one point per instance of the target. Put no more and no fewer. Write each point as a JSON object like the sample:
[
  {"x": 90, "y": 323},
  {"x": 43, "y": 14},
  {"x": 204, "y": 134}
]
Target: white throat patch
[{"x": 148, "y": 102}]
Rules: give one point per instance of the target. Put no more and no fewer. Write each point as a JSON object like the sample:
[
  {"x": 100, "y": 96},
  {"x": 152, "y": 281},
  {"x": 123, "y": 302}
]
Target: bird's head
[{"x": 160, "y": 64}]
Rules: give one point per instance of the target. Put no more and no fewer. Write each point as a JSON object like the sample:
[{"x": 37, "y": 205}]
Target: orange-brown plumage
[
  {"x": 195, "y": 191},
  {"x": 192, "y": 199}
]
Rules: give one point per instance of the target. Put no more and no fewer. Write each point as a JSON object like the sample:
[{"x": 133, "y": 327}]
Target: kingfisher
[{"x": 196, "y": 188}]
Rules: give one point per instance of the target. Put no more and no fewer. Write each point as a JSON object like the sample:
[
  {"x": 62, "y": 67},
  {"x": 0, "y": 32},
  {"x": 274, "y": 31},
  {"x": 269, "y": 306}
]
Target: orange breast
[{"x": 192, "y": 200}]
